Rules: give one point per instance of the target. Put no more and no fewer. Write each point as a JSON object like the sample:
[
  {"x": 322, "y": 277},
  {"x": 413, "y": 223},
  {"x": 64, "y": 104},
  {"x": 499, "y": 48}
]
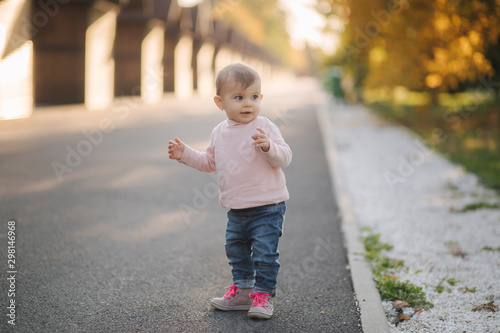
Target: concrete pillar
[
  {"x": 16, "y": 60},
  {"x": 59, "y": 59},
  {"x": 204, "y": 50},
  {"x": 222, "y": 58},
  {"x": 128, "y": 44},
  {"x": 205, "y": 71},
  {"x": 266, "y": 73},
  {"x": 259, "y": 67},
  {"x": 152, "y": 49},
  {"x": 183, "y": 70},
  {"x": 139, "y": 47},
  {"x": 236, "y": 56},
  {"x": 74, "y": 53},
  {"x": 99, "y": 61},
  {"x": 254, "y": 63},
  {"x": 171, "y": 40}
]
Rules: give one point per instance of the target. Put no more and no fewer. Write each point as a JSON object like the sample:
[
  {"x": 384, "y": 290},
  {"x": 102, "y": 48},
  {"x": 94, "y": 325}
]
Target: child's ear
[
  {"x": 261, "y": 96},
  {"x": 218, "y": 102}
]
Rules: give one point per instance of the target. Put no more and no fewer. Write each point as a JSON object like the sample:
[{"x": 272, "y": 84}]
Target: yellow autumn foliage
[{"x": 418, "y": 44}]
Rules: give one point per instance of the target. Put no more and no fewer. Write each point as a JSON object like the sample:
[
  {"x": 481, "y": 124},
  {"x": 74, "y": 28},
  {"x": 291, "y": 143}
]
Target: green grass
[
  {"x": 489, "y": 248},
  {"x": 392, "y": 289},
  {"x": 441, "y": 286},
  {"x": 374, "y": 246},
  {"x": 384, "y": 268},
  {"x": 479, "y": 205},
  {"x": 467, "y": 134}
]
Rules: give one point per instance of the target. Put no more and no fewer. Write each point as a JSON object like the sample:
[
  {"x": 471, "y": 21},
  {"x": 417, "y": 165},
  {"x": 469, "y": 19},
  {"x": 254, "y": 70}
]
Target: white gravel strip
[{"x": 406, "y": 192}]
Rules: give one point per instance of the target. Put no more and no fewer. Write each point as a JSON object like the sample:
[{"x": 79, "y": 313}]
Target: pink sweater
[{"x": 248, "y": 177}]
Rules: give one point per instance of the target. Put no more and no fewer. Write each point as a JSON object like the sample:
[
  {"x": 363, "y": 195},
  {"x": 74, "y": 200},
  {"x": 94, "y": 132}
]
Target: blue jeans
[{"x": 252, "y": 237}]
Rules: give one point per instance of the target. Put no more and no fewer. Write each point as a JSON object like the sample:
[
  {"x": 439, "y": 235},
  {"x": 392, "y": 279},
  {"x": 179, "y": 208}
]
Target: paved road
[{"x": 129, "y": 241}]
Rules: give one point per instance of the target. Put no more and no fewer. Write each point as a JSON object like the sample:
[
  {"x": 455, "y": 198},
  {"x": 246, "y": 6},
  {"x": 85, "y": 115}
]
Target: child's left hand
[{"x": 261, "y": 140}]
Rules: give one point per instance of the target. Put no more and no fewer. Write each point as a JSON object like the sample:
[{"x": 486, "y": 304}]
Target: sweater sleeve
[
  {"x": 202, "y": 161},
  {"x": 279, "y": 153}
]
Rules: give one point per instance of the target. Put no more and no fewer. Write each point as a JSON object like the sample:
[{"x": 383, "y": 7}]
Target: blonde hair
[{"x": 239, "y": 73}]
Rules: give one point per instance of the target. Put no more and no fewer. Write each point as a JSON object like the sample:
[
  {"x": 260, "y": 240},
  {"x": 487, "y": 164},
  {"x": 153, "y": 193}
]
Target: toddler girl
[{"x": 248, "y": 152}]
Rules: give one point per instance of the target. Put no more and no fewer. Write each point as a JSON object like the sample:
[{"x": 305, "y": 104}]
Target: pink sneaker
[
  {"x": 262, "y": 306},
  {"x": 235, "y": 299}
]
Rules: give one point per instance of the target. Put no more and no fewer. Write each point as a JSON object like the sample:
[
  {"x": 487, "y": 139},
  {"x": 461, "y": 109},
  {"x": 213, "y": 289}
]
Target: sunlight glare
[
  {"x": 188, "y": 3},
  {"x": 16, "y": 80},
  {"x": 305, "y": 25}
]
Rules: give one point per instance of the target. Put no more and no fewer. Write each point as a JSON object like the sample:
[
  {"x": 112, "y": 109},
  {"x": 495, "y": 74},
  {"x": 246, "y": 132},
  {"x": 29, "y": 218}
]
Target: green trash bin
[{"x": 335, "y": 75}]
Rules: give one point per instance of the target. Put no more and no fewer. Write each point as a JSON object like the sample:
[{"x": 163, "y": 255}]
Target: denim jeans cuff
[
  {"x": 245, "y": 284},
  {"x": 265, "y": 291}
]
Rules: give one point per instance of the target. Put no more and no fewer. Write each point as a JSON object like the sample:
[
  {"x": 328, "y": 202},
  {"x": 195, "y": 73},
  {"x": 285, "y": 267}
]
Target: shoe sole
[
  {"x": 258, "y": 315},
  {"x": 231, "y": 308}
]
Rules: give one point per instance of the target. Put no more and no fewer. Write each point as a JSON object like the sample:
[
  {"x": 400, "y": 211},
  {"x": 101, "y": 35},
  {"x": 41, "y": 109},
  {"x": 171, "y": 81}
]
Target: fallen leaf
[
  {"x": 419, "y": 310},
  {"x": 400, "y": 304},
  {"x": 487, "y": 306},
  {"x": 400, "y": 318},
  {"x": 456, "y": 251}
]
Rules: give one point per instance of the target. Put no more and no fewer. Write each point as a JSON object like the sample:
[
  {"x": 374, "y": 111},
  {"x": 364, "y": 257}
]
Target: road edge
[{"x": 373, "y": 319}]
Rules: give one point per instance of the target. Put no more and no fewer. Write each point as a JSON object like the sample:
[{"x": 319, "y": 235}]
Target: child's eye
[
  {"x": 255, "y": 97},
  {"x": 239, "y": 98}
]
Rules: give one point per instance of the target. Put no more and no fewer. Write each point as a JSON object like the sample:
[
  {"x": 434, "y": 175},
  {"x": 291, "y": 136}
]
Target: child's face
[{"x": 240, "y": 105}]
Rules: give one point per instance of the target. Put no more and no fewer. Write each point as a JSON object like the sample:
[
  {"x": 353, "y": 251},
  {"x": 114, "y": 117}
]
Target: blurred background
[{"x": 433, "y": 66}]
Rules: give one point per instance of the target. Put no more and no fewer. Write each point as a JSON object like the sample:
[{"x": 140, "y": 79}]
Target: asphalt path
[{"x": 112, "y": 236}]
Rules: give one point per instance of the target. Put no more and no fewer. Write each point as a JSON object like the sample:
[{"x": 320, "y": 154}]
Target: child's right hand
[{"x": 175, "y": 149}]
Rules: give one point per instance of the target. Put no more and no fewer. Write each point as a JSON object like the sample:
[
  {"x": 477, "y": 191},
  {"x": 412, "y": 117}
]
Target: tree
[{"x": 419, "y": 44}]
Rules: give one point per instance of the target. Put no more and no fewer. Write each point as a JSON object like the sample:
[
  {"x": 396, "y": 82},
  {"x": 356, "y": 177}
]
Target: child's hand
[
  {"x": 175, "y": 149},
  {"x": 261, "y": 140}
]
